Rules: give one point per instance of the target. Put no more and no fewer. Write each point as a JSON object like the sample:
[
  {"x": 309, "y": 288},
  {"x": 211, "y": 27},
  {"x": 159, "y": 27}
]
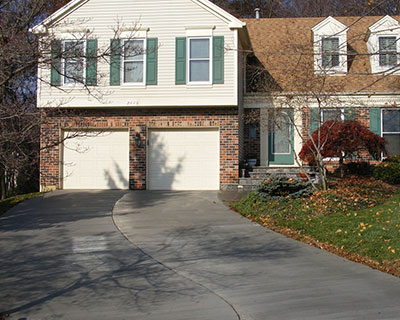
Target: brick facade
[{"x": 139, "y": 120}]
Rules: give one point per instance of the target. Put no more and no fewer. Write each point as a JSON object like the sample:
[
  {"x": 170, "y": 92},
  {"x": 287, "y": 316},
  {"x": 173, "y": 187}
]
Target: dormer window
[
  {"x": 387, "y": 51},
  {"x": 330, "y": 47},
  {"x": 330, "y": 52},
  {"x": 382, "y": 44}
]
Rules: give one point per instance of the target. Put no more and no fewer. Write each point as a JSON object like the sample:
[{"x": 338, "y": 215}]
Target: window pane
[
  {"x": 74, "y": 49},
  {"x": 391, "y": 120},
  {"x": 133, "y": 72},
  {"x": 73, "y": 69},
  {"x": 330, "y": 52},
  {"x": 387, "y": 59},
  {"x": 199, "y": 48},
  {"x": 387, "y": 44},
  {"x": 280, "y": 136},
  {"x": 74, "y": 52},
  {"x": 199, "y": 70},
  {"x": 387, "y": 49},
  {"x": 393, "y": 144},
  {"x": 332, "y": 114},
  {"x": 330, "y": 45},
  {"x": 133, "y": 50}
]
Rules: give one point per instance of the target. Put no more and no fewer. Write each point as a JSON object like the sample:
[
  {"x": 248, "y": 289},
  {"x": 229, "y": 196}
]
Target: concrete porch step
[
  {"x": 280, "y": 170},
  {"x": 249, "y": 182},
  {"x": 259, "y": 174},
  {"x": 262, "y": 176}
]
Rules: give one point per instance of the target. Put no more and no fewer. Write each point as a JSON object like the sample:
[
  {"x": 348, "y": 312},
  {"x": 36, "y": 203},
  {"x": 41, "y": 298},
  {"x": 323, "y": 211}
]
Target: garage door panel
[
  {"x": 97, "y": 161},
  {"x": 183, "y": 159}
]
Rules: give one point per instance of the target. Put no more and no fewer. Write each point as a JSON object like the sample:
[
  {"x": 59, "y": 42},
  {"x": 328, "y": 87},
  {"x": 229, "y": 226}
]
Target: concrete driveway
[{"x": 172, "y": 255}]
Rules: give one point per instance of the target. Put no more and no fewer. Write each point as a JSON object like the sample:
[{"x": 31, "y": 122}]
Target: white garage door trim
[
  {"x": 183, "y": 159},
  {"x": 96, "y": 160}
]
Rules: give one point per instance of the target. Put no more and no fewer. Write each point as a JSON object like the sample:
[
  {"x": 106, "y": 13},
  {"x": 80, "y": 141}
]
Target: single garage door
[
  {"x": 183, "y": 159},
  {"x": 96, "y": 160}
]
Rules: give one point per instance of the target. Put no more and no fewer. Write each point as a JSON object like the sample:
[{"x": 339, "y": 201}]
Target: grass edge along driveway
[
  {"x": 10, "y": 202},
  {"x": 358, "y": 219}
]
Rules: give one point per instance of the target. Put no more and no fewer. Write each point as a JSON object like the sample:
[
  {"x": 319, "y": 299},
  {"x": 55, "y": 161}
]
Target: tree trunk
[
  {"x": 2, "y": 184},
  {"x": 341, "y": 166},
  {"x": 322, "y": 172}
]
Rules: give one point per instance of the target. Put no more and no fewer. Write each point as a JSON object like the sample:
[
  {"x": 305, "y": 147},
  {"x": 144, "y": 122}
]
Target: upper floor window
[
  {"x": 73, "y": 65},
  {"x": 133, "y": 61},
  {"x": 199, "y": 57},
  {"x": 382, "y": 43},
  {"x": 73, "y": 62},
  {"x": 199, "y": 62},
  {"x": 330, "y": 47},
  {"x": 387, "y": 51},
  {"x": 330, "y": 52}
]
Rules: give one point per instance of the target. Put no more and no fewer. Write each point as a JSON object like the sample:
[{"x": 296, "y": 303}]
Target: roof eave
[{"x": 42, "y": 27}]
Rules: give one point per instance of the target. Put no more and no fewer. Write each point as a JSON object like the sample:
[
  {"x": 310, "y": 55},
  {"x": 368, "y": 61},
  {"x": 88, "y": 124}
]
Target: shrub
[
  {"x": 389, "y": 170},
  {"x": 395, "y": 158},
  {"x": 363, "y": 169},
  {"x": 283, "y": 188},
  {"x": 342, "y": 139}
]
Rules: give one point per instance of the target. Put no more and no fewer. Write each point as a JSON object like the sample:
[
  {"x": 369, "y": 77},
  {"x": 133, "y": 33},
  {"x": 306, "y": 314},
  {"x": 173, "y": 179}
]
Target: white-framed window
[
  {"x": 387, "y": 51},
  {"x": 73, "y": 62},
  {"x": 133, "y": 61},
  {"x": 199, "y": 62},
  {"x": 391, "y": 130},
  {"x": 335, "y": 114},
  {"x": 330, "y": 47},
  {"x": 382, "y": 44},
  {"x": 330, "y": 53}
]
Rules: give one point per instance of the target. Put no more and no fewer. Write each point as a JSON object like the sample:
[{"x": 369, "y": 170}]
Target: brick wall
[{"x": 138, "y": 120}]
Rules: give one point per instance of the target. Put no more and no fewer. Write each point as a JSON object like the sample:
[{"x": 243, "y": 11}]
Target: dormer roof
[
  {"x": 330, "y": 26},
  {"x": 387, "y": 23}
]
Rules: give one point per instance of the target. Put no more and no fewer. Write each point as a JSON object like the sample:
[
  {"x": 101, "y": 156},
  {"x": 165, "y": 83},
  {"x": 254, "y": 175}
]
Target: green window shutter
[
  {"x": 151, "y": 62},
  {"x": 375, "y": 120},
  {"x": 55, "y": 76},
  {"x": 180, "y": 61},
  {"x": 218, "y": 59},
  {"x": 315, "y": 118},
  {"x": 349, "y": 114},
  {"x": 115, "y": 62},
  {"x": 91, "y": 62}
]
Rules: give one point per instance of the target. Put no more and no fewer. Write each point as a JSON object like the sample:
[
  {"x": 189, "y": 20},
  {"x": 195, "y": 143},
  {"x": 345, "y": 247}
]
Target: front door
[{"x": 281, "y": 139}]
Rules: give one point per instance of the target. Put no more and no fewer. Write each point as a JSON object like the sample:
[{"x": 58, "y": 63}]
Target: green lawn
[
  {"x": 358, "y": 218},
  {"x": 8, "y": 203}
]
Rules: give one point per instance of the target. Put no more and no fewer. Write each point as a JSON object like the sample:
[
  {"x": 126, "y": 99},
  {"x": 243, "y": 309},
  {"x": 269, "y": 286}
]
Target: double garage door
[{"x": 177, "y": 159}]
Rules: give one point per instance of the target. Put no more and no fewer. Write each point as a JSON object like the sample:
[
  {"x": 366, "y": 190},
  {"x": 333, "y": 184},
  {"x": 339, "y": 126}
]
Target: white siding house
[{"x": 164, "y": 20}]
